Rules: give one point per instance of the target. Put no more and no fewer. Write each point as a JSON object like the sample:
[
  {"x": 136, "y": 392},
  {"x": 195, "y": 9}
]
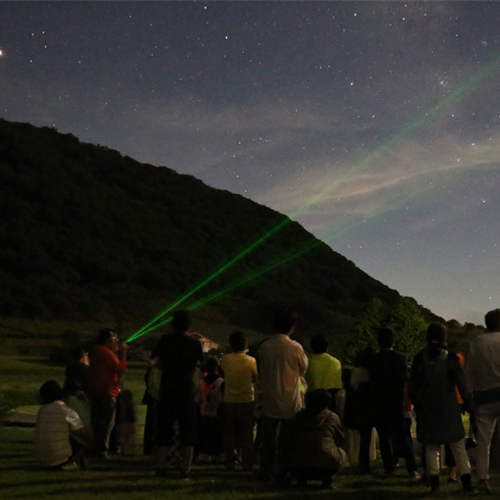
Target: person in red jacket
[{"x": 107, "y": 360}]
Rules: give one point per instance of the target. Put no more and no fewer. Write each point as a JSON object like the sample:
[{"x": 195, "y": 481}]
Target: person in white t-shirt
[
  {"x": 55, "y": 423},
  {"x": 282, "y": 363}
]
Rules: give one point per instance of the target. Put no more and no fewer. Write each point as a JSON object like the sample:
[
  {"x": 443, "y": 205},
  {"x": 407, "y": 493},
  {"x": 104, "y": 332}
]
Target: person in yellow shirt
[
  {"x": 240, "y": 376},
  {"x": 323, "y": 371}
]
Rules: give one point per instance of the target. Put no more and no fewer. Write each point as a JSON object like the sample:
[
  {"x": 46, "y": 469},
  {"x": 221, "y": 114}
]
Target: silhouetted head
[
  {"x": 181, "y": 322},
  {"x": 319, "y": 344},
  {"x": 51, "y": 391},
  {"x": 107, "y": 337},
  {"x": 238, "y": 341},
  {"x": 211, "y": 365},
  {"x": 76, "y": 354},
  {"x": 437, "y": 334},
  {"x": 385, "y": 338},
  {"x": 492, "y": 320},
  {"x": 284, "y": 321},
  {"x": 72, "y": 387},
  {"x": 318, "y": 400}
]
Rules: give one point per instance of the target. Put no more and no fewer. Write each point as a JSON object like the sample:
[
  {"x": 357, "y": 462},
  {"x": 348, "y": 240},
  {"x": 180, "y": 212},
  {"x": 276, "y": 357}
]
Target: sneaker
[
  {"x": 415, "y": 476},
  {"x": 72, "y": 466},
  {"x": 483, "y": 487}
]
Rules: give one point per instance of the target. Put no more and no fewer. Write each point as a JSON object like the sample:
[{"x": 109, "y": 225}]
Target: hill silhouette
[{"x": 90, "y": 234}]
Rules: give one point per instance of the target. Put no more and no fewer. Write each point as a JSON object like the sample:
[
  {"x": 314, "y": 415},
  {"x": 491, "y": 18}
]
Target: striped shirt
[{"x": 54, "y": 423}]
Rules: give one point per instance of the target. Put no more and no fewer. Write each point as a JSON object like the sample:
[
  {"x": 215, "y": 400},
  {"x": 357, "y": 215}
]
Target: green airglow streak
[{"x": 473, "y": 81}]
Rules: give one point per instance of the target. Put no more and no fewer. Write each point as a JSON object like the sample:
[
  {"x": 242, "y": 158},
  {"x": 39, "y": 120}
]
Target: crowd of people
[{"x": 284, "y": 410}]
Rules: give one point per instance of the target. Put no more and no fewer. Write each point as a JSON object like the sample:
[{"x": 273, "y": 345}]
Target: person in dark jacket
[
  {"x": 358, "y": 411},
  {"x": 388, "y": 376},
  {"x": 435, "y": 376},
  {"x": 313, "y": 441}
]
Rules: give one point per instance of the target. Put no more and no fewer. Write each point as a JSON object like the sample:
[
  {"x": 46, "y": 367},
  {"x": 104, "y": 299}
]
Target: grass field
[{"x": 131, "y": 477}]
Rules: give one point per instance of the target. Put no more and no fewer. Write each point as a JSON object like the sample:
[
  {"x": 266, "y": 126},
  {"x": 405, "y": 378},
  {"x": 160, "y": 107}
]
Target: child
[
  {"x": 211, "y": 433},
  {"x": 127, "y": 422},
  {"x": 55, "y": 423},
  {"x": 240, "y": 374}
]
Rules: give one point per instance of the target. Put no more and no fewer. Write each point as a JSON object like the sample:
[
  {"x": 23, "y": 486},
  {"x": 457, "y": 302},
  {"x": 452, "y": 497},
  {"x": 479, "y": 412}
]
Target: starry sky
[{"x": 374, "y": 124}]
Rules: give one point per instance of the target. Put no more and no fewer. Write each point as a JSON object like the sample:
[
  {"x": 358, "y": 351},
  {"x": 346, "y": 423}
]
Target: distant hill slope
[{"x": 89, "y": 234}]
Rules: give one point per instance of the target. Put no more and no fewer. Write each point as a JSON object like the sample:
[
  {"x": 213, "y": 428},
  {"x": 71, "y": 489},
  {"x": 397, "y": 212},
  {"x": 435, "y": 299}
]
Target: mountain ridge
[{"x": 91, "y": 234}]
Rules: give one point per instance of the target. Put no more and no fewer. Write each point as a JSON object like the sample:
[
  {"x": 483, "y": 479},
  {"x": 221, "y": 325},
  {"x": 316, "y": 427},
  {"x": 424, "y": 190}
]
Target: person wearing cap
[{"x": 435, "y": 375}]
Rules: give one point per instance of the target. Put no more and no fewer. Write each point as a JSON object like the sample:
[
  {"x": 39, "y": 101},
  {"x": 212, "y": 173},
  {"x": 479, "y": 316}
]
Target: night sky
[{"x": 374, "y": 124}]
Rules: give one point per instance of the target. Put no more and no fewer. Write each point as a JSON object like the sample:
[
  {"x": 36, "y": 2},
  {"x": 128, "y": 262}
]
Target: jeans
[{"x": 238, "y": 432}]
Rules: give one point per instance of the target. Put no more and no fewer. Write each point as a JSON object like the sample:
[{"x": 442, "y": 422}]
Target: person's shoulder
[
  {"x": 296, "y": 345},
  {"x": 332, "y": 417},
  {"x": 250, "y": 360},
  {"x": 332, "y": 359},
  {"x": 269, "y": 343}
]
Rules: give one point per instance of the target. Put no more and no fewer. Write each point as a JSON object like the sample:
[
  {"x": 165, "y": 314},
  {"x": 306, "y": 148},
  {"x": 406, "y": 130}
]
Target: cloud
[{"x": 411, "y": 171}]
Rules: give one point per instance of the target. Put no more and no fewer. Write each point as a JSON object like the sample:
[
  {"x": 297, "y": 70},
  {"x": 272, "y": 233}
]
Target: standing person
[
  {"x": 211, "y": 433},
  {"x": 282, "y": 362},
  {"x": 240, "y": 375},
  {"x": 178, "y": 355},
  {"x": 78, "y": 367},
  {"x": 482, "y": 371},
  {"x": 324, "y": 371},
  {"x": 152, "y": 379},
  {"x": 358, "y": 411},
  {"x": 107, "y": 360},
  {"x": 435, "y": 376},
  {"x": 388, "y": 376}
]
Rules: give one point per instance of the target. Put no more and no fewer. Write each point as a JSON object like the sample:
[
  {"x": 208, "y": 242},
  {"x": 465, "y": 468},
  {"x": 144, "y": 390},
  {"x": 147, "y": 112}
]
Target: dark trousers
[
  {"x": 270, "y": 456},
  {"x": 239, "y": 423},
  {"x": 103, "y": 420},
  {"x": 391, "y": 430}
]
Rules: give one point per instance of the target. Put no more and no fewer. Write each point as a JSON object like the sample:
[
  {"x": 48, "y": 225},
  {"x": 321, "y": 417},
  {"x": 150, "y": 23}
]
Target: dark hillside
[{"x": 89, "y": 234}]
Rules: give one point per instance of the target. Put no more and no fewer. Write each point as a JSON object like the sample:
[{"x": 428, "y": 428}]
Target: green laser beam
[
  {"x": 292, "y": 255},
  {"x": 472, "y": 82},
  {"x": 217, "y": 273}
]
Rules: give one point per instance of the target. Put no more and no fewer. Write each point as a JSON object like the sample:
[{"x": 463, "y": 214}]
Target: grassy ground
[{"x": 131, "y": 477}]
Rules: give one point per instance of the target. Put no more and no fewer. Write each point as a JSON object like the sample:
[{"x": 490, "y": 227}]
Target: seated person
[
  {"x": 312, "y": 441},
  {"x": 77, "y": 400},
  {"x": 55, "y": 423}
]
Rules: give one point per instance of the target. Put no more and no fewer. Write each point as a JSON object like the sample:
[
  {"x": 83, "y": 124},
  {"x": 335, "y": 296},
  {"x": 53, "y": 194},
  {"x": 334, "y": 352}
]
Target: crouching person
[
  {"x": 55, "y": 424},
  {"x": 313, "y": 440}
]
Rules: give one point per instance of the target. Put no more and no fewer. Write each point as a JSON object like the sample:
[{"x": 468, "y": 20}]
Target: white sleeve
[{"x": 74, "y": 420}]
